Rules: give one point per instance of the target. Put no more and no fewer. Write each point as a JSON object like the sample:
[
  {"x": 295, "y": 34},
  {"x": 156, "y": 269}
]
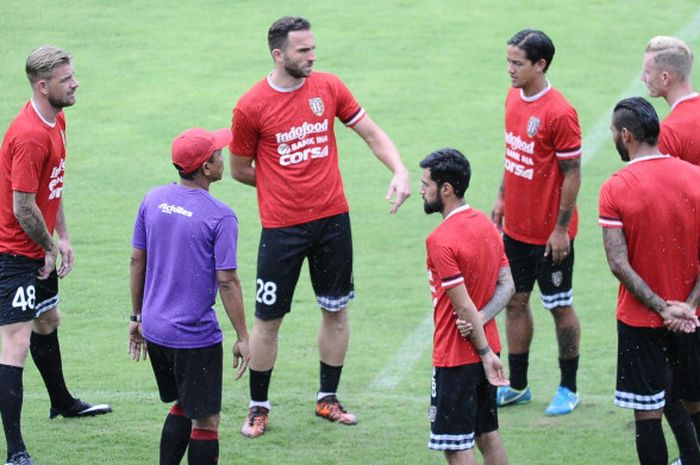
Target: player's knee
[
  {"x": 209, "y": 423},
  {"x": 47, "y": 322}
]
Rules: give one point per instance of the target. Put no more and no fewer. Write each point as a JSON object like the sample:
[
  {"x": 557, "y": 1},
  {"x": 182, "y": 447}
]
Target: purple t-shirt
[{"x": 188, "y": 235}]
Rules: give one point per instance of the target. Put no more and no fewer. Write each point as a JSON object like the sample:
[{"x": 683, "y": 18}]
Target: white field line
[{"x": 419, "y": 341}]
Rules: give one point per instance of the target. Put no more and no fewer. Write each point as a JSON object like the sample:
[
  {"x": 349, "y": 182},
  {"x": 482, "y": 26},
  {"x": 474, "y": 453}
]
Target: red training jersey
[
  {"x": 656, "y": 202},
  {"x": 465, "y": 249},
  {"x": 32, "y": 159},
  {"x": 289, "y": 133},
  {"x": 680, "y": 131},
  {"x": 540, "y": 131}
]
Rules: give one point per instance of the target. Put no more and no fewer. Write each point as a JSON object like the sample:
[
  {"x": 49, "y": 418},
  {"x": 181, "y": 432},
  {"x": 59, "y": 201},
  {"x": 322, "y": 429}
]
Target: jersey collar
[
  {"x": 284, "y": 89},
  {"x": 538, "y": 95},
  {"x": 41, "y": 117},
  {"x": 648, "y": 157},
  {"x": 683, "y": 99},
  {"x": 463, "y": 208}
]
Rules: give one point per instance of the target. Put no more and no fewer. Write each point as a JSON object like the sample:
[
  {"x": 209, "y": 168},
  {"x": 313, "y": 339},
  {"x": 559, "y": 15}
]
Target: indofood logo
[{"x": 300, "y": 132}]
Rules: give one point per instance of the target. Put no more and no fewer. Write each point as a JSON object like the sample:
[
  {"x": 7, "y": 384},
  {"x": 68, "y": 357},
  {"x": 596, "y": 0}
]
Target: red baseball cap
[{"x": 195, "y": 146}]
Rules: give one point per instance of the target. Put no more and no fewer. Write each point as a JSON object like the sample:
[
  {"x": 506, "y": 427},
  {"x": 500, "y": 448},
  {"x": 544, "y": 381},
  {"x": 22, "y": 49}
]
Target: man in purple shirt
[{"x": 184, "y": 250}]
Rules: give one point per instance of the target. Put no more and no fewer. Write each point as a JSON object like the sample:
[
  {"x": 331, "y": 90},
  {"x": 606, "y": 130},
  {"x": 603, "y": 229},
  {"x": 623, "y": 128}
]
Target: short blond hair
[
  {"x": 42, "y": 61},
  {"x": 671, "y": 54}
]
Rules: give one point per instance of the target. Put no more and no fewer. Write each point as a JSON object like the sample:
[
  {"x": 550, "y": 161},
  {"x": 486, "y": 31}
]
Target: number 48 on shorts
[{"x": 25, "y": 298}]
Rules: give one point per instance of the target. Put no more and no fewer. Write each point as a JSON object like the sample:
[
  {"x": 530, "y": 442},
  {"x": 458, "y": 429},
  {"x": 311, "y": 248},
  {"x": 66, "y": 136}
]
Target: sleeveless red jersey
[
  {"x": 656, "y": 202},
  {"x": 32, "y": 159},
  {"x": 465, "y": 249},
  {"x": 290, "y": 135},
  {"x": 539, "y": 131}
]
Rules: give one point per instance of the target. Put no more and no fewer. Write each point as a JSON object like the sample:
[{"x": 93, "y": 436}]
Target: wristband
[
  {"x": 483, "y": 351},
  {"x": 136, "y": 318}
]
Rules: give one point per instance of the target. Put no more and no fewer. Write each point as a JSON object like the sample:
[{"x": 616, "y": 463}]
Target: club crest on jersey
[
  {"x": 317, "y": 106},
  {"x": 533, "y": 125},
  {"x": 557, "y": 278}
]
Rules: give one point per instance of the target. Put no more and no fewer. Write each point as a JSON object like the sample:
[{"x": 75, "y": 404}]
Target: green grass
[{"x": 432, "y": 74}]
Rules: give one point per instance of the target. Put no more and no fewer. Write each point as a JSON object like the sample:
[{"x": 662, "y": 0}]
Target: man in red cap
[{"x": 173, "y": 305}]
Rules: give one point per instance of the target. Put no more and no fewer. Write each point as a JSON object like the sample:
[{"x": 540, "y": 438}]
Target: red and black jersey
[
  {"x": 539, "y": 131},
  {"x": 465, "y": 249},
  {"x": 289, "y": 133},
  {"x": 656, "y": 202},
  {"x": 32, "y": 160}
]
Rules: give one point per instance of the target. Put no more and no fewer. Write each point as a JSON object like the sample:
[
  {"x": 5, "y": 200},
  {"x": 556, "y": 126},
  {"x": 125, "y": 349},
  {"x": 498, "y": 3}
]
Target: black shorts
[
  {"x": 462, "y": 407},
  {"x": 327, "y": 243},
  {"x": 643, "y": 358},
  {"x": 528, "y": 263},
  {"x": 23, "y": 297},
  {"x": 193, "y": 377}
]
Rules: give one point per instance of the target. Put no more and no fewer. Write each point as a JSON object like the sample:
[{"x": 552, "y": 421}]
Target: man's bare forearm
[
  {"x": 31, "y": 221},
  {"x": 504, "y": 291}
]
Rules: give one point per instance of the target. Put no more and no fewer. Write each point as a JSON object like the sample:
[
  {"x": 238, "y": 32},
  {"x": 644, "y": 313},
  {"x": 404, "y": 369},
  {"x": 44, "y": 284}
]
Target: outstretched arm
[{"x": 384, "y": 149}]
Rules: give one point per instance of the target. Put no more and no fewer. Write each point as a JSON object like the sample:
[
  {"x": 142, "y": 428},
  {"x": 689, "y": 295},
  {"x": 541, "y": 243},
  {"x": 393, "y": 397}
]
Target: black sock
[
  {"x": 651, "y": 444},
  {"x": 517, "y": 364},
  {"x": 684, "y": 432},
  {"x": 568, "y": 368},
  {"x": 330, "y": 377},
  {"x": 696, "y": 421},
  {"x": 204, "y": 447},
  {"x": 259, "y": 384},
  {"x": 46, "y": 354},
  {"x": 175, "y": 436},
  {"x": 11, "y": 390}
]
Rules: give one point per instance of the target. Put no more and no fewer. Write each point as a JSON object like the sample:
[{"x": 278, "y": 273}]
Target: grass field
[{"x": 432, "y": 74}]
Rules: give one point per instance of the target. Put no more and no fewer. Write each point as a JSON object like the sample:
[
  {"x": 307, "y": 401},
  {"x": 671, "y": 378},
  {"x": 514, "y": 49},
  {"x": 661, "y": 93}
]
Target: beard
[
  {"x": 435, "y": 206},
  {"x": 296, "y": 71},
  {"x": 622, "y": 150},
  {"x": 60, "y": 102}
]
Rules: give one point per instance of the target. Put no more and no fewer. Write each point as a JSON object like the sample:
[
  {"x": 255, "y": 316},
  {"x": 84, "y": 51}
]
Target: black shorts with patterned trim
[
  {"x": 643, "y": 358},
  {"x": 327, "y": 243},
  {"x": 23, "y": 297},
  {"x": 528, "y": 264},
  {"x": 462, "y": 407},
  {"x": 193, "y": 377}
]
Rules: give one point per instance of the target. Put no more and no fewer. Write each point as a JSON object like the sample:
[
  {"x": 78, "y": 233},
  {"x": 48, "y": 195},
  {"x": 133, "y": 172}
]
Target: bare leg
[
  {"x": 568, "y": 331},
  {"x": 333, "y": 337},
  {"x": 263, "y": 344},
  {"x": 519, "y": 324},
  {"x": 491, "y": 448}
]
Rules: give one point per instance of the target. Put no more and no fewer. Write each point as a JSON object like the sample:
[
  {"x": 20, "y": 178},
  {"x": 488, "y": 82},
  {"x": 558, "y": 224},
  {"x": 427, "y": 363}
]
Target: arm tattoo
[
  {"x": 570, "y": 166},
  {"x": 30, "y": 220},
  {"x": 616, "y": 251},
  {"x": 504, "y": 291},
  {"x": 564, "y": 218}
]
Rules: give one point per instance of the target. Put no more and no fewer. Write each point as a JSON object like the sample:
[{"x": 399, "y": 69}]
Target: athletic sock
[
  {"x": 517, "y": 364},
  {"x": 684, "y": 432},
  {"x": 11, "y": 391},
  {"x": 696, "y": 421},
  {"x": 651, "y": 444},
  {"x": 330, "y": 377},
  {"x": 46, "y": 353},
  {"x": 259, "y": 384},
  {"x": 175, "y": 436},
  {"x": 204, "y": 447},
  {"x": 568, "y": 368}
]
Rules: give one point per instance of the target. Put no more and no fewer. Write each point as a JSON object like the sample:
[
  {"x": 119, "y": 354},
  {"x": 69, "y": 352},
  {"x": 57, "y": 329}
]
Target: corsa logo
[{"x": 289, "y": 158}]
